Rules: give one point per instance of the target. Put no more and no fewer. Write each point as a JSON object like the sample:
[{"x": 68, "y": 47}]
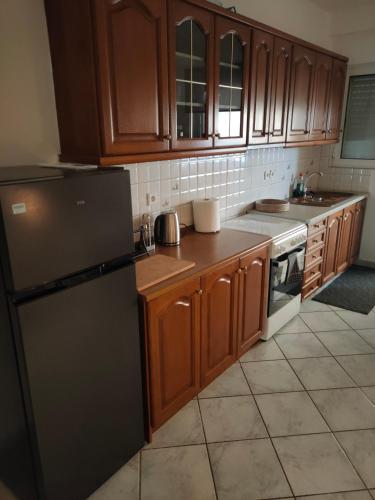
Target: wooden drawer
[
  {"x": 310, "y": 288},
  {"x": 315, "y": 228},
  {"x": 313, "y": 273},
  {"x": 314, "y": 257},
  {"x": 315, "y": 240}
]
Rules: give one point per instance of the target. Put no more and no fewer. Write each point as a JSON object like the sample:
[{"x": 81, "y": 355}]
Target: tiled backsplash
[
  {"x": 343, "y": 179},
  {"x": 238, "y": 180}
]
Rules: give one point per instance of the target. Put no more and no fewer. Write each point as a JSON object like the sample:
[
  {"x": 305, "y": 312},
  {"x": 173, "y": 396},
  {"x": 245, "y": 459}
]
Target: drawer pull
[
  {"x": 314, "y": 256},
  {"x": 315, "y": 241},
  {"x": 200, "y": 292}
]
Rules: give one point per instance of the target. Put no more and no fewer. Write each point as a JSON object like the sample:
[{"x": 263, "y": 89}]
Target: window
[{"x": 359, "y": 130}]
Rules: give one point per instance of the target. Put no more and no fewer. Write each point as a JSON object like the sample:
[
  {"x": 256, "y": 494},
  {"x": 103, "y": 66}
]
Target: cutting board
[{"x": 153, "y": 270}]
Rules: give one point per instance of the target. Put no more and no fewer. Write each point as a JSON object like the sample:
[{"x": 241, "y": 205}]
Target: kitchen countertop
[
  {"x": 206, "y": 250},
  {"x": 312, "y": 214}
]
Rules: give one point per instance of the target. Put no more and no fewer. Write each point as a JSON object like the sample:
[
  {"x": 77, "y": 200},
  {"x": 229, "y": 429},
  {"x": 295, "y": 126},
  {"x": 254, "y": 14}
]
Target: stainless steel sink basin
[{"x": 321, "y": 199}]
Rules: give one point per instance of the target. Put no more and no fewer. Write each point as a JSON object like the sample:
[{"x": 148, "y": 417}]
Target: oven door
[{"x": 286, "y": 278}]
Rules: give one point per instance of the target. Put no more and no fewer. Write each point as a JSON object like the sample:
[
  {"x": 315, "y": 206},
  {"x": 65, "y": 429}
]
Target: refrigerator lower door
[
  {"x": 83, "y": 370},
  {"x": 16, "y": 469}
]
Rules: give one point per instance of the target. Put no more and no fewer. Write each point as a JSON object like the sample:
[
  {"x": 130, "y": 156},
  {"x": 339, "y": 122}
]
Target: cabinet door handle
[
  {"x": 217, "y": 135},
  {"x": 239, "y": 271},
  {"x": 200, "y": 292},
  {"x": 244, "y": 269},
  {"x": 168, "y": 137},
  {"x": 330, "y": 131},
  {"x": 306, "y": 131}
]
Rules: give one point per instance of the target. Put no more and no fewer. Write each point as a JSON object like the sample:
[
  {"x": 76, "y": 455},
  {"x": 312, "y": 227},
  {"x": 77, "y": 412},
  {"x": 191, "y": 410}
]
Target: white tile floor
[{"x": 294, "y": 419}]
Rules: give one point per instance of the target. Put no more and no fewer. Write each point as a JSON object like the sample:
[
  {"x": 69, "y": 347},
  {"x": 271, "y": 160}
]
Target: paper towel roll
[{"x": 206, "y": 215}]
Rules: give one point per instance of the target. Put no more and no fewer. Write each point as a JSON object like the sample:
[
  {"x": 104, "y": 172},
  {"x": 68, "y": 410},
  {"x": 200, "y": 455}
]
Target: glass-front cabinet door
[
  {"x": 231, "y": 82},
  {"x": 191, "y": 65}
]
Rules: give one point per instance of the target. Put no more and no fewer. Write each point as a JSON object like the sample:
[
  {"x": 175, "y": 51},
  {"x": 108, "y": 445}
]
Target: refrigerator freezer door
[
  {"x": 57, "y": 228},
  {"x": 82, "y": 360}
]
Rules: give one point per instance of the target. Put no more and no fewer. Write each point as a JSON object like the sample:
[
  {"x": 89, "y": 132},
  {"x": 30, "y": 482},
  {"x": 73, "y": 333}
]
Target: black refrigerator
[{"x": 71, "y": 409}]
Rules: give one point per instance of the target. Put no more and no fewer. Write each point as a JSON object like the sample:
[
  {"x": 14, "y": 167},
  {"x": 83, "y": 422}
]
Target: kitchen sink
[{"x": 321, "y": 199}]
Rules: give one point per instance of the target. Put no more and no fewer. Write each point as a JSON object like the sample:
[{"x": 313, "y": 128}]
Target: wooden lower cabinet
[
  {"x": 338, "y": 240},
  {"x": 219, "y": 320},
  {"x": 359, "y": 215},
  {"x": 332, "y": 243},
  {"x": 200, "y": 327},
  {"x": 343, "y": 250},
  {"x": 253, "y": 296},
  {"x": 173, "y": 346}
]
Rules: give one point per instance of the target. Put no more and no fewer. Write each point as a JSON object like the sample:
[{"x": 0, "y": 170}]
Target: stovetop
[{"x": 254, "y": 222}]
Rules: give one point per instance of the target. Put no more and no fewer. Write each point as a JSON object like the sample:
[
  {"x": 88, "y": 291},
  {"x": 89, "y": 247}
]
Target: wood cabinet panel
[
  {"x": 282, "y": 56},
  {"x": 359, "y": 215},
  {"x": 332, "y": 242},
  {"x": 336, "y": 100},
  {"x": 253, "y": 298},
  {"x": 301, "y": 93},
  {"x": 173, "y": 349},
  {"x": 192, "y": 77},
  {"x": 311, "y": 288},
  {"x": 343, "y": 251},
  {"x": 219, "y": 320},
  {"x": 312, "y": 258},
  {"x": 261, "y": 81},
  {"x": 315, "y": 240},
  {"x": 131, "y": 41},
  {"x": 321, "y": 95},
  {"x": 231, "y": 82}
]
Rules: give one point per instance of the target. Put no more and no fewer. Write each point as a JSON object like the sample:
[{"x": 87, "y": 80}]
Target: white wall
[
  {"x": 353, "y": 34},
  {"x": 28, "y": 123},
  {"x": 300, "y": 18}
]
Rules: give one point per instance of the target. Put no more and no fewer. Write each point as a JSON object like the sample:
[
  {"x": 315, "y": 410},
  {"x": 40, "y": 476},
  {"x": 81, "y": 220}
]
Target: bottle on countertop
[{"x": 300, "y": 185}]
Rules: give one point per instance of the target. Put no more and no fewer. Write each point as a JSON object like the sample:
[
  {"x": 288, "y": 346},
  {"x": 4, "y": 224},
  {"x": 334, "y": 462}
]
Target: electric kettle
[{"x": 167, "y": 229}]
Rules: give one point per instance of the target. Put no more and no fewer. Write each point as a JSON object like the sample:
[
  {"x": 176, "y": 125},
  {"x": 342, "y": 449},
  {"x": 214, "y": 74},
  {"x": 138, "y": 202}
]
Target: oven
[{"x": 286, "y": 278}]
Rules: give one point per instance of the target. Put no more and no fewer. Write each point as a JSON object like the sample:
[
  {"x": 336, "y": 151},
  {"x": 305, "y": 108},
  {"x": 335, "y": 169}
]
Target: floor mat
[{"x": 353, "y": 290}]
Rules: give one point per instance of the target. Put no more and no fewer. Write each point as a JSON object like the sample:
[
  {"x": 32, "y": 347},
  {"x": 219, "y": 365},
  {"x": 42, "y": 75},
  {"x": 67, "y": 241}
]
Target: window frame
[{"x": 337, "y": 161}]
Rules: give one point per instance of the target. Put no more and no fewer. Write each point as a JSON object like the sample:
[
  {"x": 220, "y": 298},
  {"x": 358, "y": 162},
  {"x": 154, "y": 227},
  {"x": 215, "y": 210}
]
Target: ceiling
[{"x": 335, "y": 5}]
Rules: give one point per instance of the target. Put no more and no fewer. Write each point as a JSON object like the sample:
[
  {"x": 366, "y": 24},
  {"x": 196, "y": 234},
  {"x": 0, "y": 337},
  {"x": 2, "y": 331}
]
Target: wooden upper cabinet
[
  {"x": 173, "y": 335},
  {"x": 301, "y": 93},
  {"x": 261, "y": 81},
  {"x": 282, "y": 56},
  {"x": 343, "y": 251},
  {"x": 131, "y": 43},
  {"x": 219, "y": 320},
  {"x": 191, "y": 70},
  {"x": 232, "y": 60},
  {"x": 332, "y": 244},
  {"x": 253, "y": 298},
  {"x": 321, "y": 95},
  {"x": 336, "y": 99}
]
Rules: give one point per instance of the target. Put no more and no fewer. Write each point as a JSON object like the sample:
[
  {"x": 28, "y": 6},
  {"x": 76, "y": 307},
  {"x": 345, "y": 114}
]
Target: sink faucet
[{"x": 315, "y": 172}]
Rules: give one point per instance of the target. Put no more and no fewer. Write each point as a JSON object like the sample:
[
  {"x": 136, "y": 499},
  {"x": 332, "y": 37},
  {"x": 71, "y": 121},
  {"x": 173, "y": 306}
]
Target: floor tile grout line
[
  {"x": 334, "y": 355},
  {"x": 269, "y": 437},
  {"x": 354, "y": 331},
  {"x": 239, "y": 440},
  {"x": 348, "y": 458},
  {"x": 332, "y": 432},
  {"x": 343, "y": 367},
  {"x": 336, "y": 312},
  {"x": 337, "y": 361},
  {"x": 207, "y": 450}
]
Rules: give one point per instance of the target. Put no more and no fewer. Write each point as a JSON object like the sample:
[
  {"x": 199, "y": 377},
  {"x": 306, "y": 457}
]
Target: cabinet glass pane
[
  {"x": 230, "y": 86},
  {"x": 191, "y": 80}
]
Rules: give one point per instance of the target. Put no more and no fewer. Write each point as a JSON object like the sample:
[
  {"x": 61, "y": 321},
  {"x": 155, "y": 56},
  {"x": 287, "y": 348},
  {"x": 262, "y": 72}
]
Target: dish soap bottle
[{"x": 301, "y": 185}]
